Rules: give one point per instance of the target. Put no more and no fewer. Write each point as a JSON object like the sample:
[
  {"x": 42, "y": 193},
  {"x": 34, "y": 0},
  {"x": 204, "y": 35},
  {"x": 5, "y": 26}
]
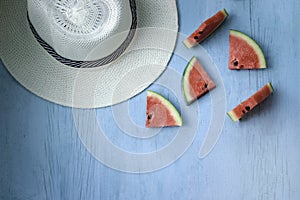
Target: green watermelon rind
[
  {"x": 225, "y": 13},
  {"x": 270, "y": 87},
  {"x": 232, "y": 116},
  {"x": 251, "y": 42},
  {"x": 188, "y": 44},
  {"x": 185, "y": 82},
  {"x": 174, "y": 112}
]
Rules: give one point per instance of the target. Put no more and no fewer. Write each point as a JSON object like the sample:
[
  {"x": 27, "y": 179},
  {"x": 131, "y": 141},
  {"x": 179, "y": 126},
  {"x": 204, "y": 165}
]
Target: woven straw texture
[{"x": 40, "y": 73}]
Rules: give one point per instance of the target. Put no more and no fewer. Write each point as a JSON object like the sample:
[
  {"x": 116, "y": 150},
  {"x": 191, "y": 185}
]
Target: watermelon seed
[
  {"x": 196, "y": 37},
  {"x": 200, "y": 32},
  {"x": 205, "y": 85},
  {"x": 247, "y": 108},
  {"x": 235, "y": 63},
  {"x": 243, "y": 111},
  {"x": 241, "y": 66},
  {"x": 149, "y": 116}
]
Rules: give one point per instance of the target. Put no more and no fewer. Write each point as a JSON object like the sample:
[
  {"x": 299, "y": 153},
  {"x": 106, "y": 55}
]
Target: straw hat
[{"x": 87, "y": 53}]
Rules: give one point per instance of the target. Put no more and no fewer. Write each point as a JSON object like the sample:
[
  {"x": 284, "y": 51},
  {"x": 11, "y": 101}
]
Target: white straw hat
[{"x": 87, "y": 53}]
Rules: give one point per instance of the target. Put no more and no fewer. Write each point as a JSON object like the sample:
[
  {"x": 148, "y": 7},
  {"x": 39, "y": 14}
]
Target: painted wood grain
[{"x": 41, "y": 156}]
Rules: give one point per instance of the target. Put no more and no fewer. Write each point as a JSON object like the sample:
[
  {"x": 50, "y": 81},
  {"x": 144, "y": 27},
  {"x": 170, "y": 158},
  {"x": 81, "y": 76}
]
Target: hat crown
[
  {"x": 81, "y": 17},
  {"x": 75, "y": 29}
]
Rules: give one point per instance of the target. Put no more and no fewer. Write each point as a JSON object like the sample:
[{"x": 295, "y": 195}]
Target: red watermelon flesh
[
  {"x": 160, "y": 112},
  {"x": 195, "y": 82},
  {"x": 206, "y": 29},
  {"x": 244, "y": 52},
  {"x": 247, "y": 105}
]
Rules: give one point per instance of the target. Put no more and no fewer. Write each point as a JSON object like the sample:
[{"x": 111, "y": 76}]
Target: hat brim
[{"x": 145, "y": 59}]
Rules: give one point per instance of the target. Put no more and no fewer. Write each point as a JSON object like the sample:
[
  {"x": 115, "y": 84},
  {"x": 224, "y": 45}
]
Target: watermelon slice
[
  {"x": 161, "y": 112},
  {"x": 195, "y": 81},
  {"x": 206, "y": 29},
  {"x": 243, "y": 108},
  {"x": 244, "y": 52}
]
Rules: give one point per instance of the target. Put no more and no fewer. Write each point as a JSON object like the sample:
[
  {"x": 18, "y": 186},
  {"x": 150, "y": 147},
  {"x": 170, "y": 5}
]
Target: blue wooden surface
[{"x": 41, "y": 156}]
